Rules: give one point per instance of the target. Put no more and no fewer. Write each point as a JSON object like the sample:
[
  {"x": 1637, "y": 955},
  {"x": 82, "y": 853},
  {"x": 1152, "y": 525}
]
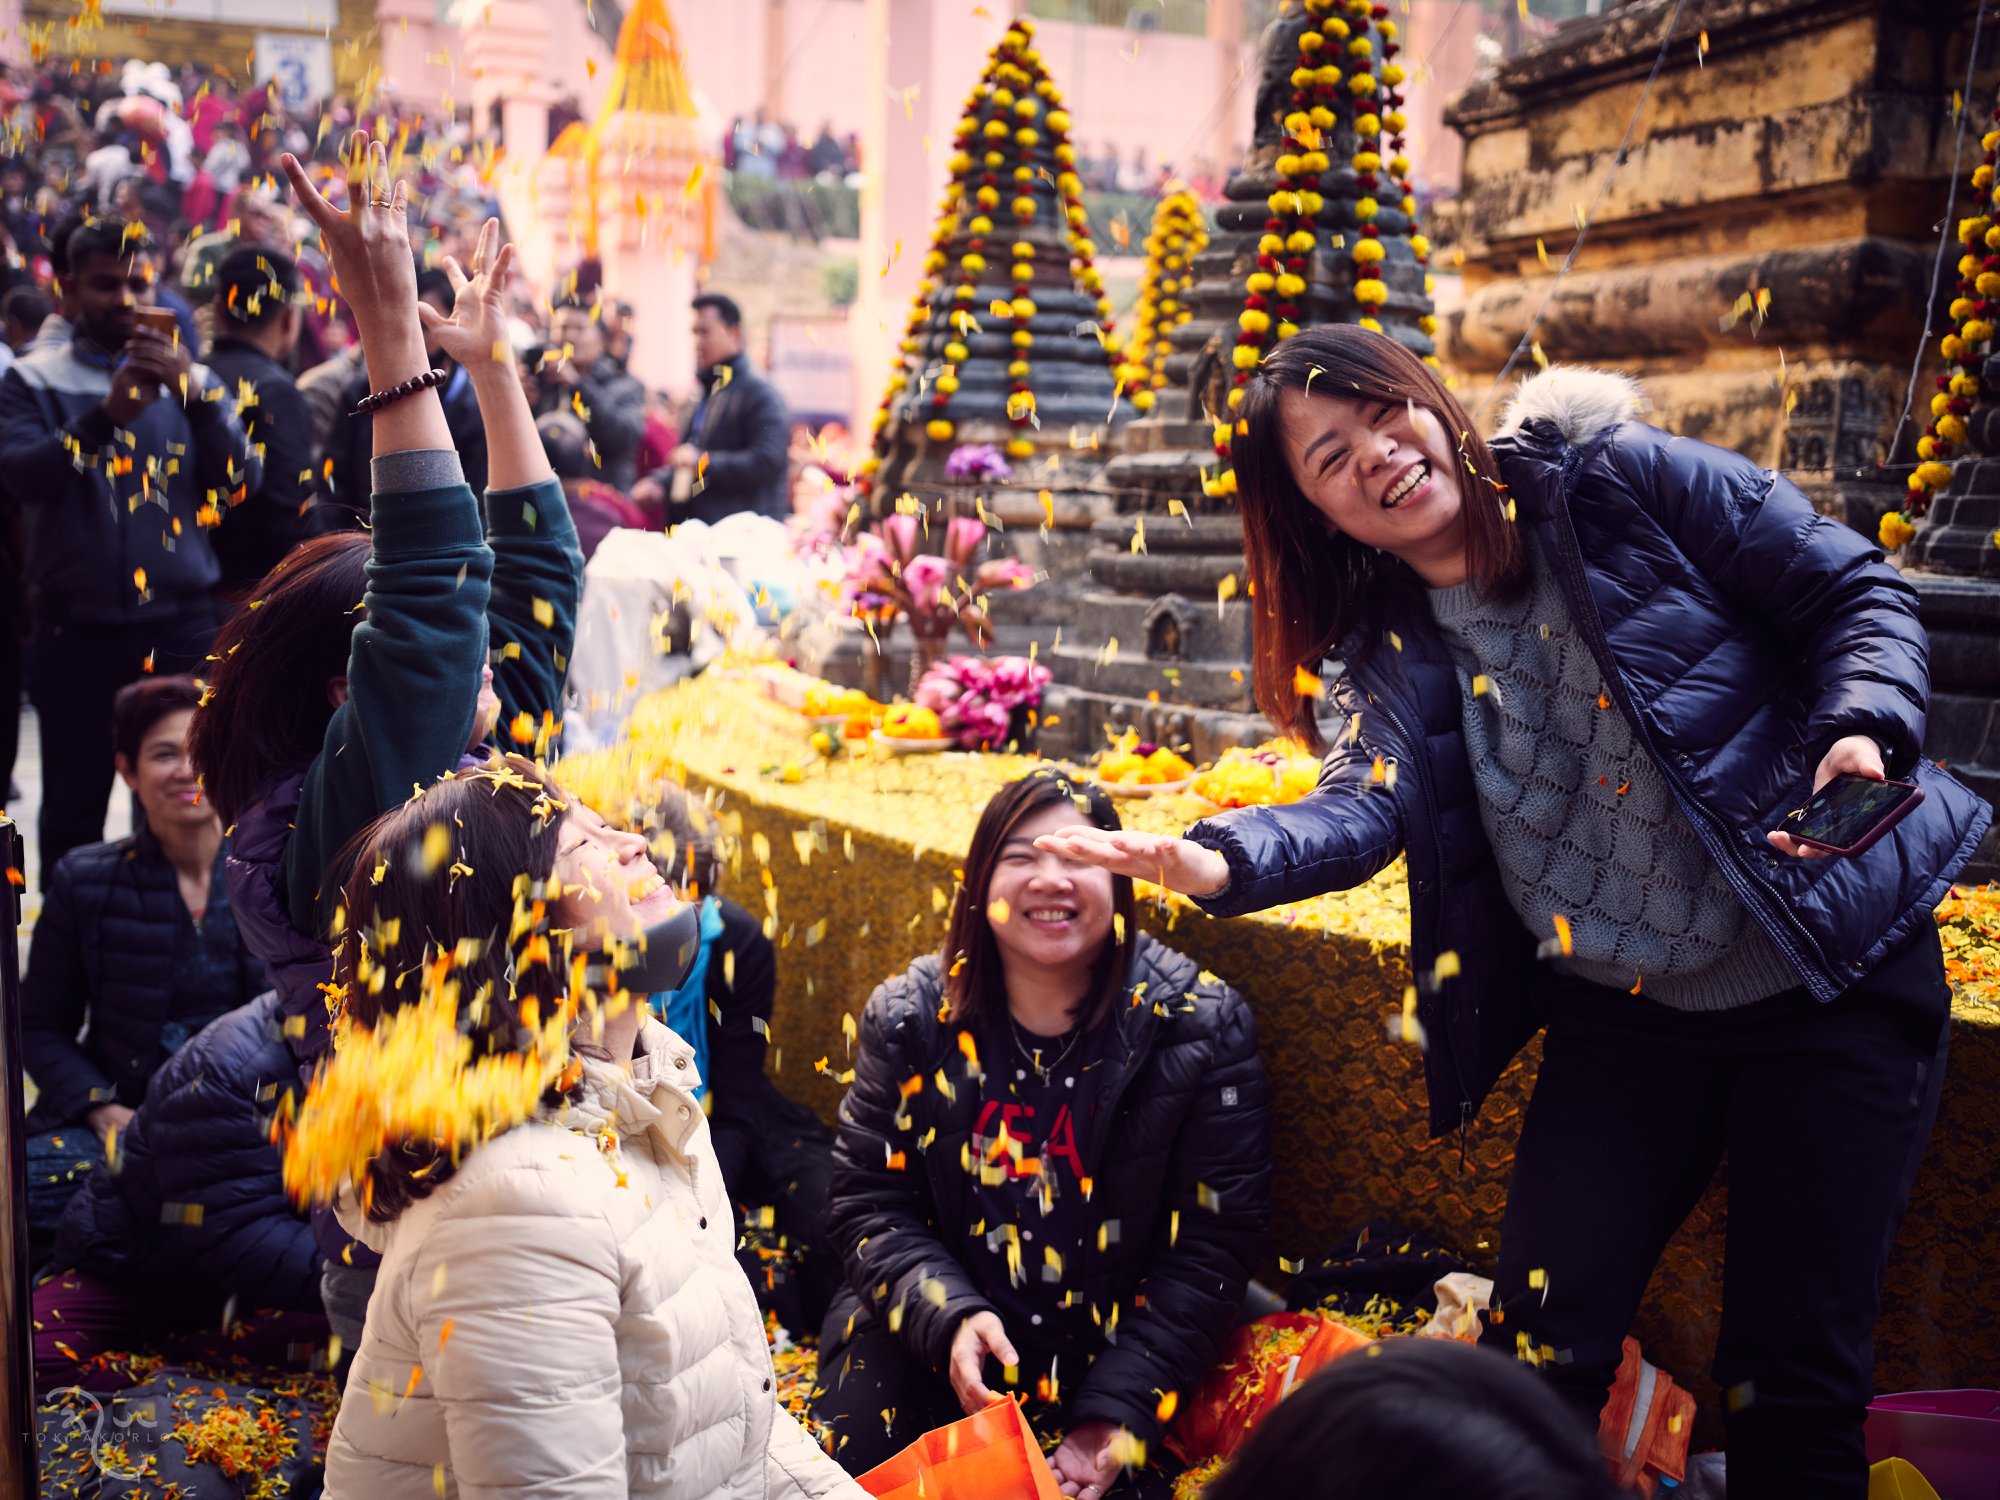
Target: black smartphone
[{"x": 1851, "y": 812}]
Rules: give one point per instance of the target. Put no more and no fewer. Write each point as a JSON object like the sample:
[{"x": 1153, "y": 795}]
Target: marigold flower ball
[
  {"x": 1299, "y": 242},
  {"x": 1065, "y": 152},
  {"x": 1363, "y": 85},
  {"x": 1311, "y": 41},
  {"x": 1978, "y": 331},
  {"x": 956, "y": 352},
  {"x": 1244, "y": 356},
  {"x": 1371, "y": 293},
  {"x": 962, "y": 294},
  {"x": 1314, "y": 162},
  {"x": 1326, "y": 76},
  {"x": 1951, "y": 429},
  {"x": 1142, "y": 400},
  {"x": 988, "y": 197},
  {"x": 1400, "y": 165},
  {"x": 1337, "y": 27},
  {"x": 1017, "y": 369},
  {"x": 1288, "y": 166},
  {"x": 1933, "y": 475},
  {"x": 1058, "y": 119},
  {"x": 1990, "y": 141},
  {"x": 1302, "y": 77},
  {"x": 1360, "y": 47},
  {"x": 1367, "y": 161},
  {"x": 994, "y": 160},
  {"x": 1077, "y": 216},
  {"x": 1952, "y": 346},
  {"x": 1366, "y": 209},
  {"x": 1895, "y": 532},
  {"x": 981, "y": 225},
  {"x": 1940, "y": 404},
  {"x": 1368, "y": 251},
  {"x": 1370, "y": 324},
  {"x": 1270, "y": 244},
  {"x": 1965, "y": 385},
  {"x": 1023, "y": 339},
  {"x": 1311, "y": 203},
  {"x": 1427, "y": 323},
  {"x": 1395, "y": 119},
  {"x": 937, "y": 429},
  {"x": 1027, "y": 109},
  {"x": 1297, "y": 123},
  {"x": 1020, "y": 448},
  {"x": 1290, "y": 285},
  {"x": 995, "y": 130},
  {"x": 1250, "y": 320},
  {"x": 1393, "y": 74},
  {"x": 1024, "y": 207},
  {"x": 948, "y": 384},
  {"x": 1260, "y": 282},
  {"x": 1322, "y": 118}
]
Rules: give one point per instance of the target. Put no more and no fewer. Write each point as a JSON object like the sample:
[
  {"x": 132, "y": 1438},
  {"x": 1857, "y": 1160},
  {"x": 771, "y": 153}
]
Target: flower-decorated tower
[
  {"x": 1166, "y": 289},
  {"x": 635, "y": 190},
  {"x": 1008, "y": 335},
  {"x": 1318, "y": 226}
]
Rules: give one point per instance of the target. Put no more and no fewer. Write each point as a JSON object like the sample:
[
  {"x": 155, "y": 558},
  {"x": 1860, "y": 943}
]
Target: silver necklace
[{"x": 1033, "y": 1057}]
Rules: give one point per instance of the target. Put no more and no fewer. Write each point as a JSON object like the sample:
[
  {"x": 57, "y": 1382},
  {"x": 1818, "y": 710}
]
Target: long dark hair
[
  {"x": 1420, "y": 1419},
  {"x": 1310, "y": 586},
  {"x": 474, "y": 896},
  {"x": 267, "y": 706},
  {"x": 975, "y": 985}
]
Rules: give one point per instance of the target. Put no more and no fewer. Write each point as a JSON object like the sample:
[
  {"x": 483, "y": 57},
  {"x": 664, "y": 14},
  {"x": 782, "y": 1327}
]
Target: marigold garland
[
  {"x": 1320, "y": 90},
  {"x": 1178, "y": 235},
  {"x": 1973, "y": 312},
  {"x": 1006, "y": 115},
  {"x": 413, "y": 1078}
]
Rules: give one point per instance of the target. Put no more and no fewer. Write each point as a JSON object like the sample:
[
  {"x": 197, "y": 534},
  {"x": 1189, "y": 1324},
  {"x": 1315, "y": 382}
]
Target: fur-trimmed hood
[{"x": 1583, "y": 403}]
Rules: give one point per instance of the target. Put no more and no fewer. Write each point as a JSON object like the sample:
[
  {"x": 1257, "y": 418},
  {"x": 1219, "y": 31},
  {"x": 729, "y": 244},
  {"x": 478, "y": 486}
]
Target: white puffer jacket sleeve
[
  {"x": 515, "y": 1299},
  {"x": 799, "y": 1468}
]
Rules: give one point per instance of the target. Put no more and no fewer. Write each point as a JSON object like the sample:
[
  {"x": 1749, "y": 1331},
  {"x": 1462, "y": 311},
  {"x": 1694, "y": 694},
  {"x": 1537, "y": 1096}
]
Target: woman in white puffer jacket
[{"x": 562, "y": 1314}]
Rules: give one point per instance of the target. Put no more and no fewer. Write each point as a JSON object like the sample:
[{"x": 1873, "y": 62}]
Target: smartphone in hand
[
  {"x": 1851, "y": 812},
  {"x": 160, "y": 320}
]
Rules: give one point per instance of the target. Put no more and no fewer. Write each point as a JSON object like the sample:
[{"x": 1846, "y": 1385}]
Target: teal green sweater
[{"x": 442, "y": 601}]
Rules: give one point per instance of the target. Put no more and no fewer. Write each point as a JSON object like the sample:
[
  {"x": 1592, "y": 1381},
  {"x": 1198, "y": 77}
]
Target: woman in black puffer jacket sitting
[
  {"x": 1052, "y": 1173},
  {"x": 137, "y": 944}
]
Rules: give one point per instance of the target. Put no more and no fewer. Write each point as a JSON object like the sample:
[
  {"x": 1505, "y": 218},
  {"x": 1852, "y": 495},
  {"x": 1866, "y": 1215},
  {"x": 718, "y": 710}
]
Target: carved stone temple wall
[{"x": 1760, "y": 260}]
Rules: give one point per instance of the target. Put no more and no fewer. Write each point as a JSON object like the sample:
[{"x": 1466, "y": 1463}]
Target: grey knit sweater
[{"x": 1582, "y": 822}]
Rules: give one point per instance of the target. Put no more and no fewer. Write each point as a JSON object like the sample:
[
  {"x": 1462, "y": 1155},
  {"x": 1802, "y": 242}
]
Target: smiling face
[
  {"x": 1049, "y": 916},
  {"x": 1385, "y": 474},
  {"x": 163, "y": 776},
  {"x": 610, "y": 888}
]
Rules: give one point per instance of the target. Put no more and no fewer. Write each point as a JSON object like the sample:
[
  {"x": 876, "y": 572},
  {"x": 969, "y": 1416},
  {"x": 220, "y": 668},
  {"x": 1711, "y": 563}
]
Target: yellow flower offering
[{"x": 908, "y": 721}]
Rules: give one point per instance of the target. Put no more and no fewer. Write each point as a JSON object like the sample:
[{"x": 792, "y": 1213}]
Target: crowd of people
[
  {"x": 1579, "y": 713},
  {"x": 767, "y": 149}
]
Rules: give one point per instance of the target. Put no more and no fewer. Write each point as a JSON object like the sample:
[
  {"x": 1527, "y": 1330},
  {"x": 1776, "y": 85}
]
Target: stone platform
[{"x": 861, "y": 856}]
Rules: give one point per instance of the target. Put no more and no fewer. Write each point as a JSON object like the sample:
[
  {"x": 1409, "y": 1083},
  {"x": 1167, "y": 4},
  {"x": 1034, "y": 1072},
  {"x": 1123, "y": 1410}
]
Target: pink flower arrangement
[
  {"x": 975, "y": 698},
  {"x": 888, "y": 575}
]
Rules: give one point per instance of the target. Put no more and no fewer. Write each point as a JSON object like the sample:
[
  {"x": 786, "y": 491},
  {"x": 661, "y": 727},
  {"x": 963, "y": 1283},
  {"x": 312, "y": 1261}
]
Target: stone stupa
[
  {"x": 1009, "y": 341},
  {"x": 1318, "y": 226}
]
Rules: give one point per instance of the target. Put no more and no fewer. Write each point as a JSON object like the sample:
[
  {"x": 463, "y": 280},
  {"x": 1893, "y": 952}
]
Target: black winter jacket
[
  {"x": 103, "y": 953},
  {"x": 197, "y": 1192},
  {"x": 1180, "y": 1158},
  {"x": 1740, "y": 631},
  {"x": 745, "y": 433}
]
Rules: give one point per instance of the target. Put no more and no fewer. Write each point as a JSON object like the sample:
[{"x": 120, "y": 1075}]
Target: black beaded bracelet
[{"x": 409, "y": 387}]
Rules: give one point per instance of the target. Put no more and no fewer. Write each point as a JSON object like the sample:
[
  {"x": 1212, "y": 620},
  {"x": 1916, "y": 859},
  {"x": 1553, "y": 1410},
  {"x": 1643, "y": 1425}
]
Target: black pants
[
  {"x": 865, "y": 1371},
  {"x": 11, "y": 676},
  {"x": 1823, "y": 1112},
  {"x": 74, "y": 672}
]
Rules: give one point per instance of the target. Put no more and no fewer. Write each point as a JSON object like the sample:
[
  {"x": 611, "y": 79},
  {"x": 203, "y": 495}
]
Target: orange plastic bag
[
  {"x": 1646, "y": 1425},
  {"x": 1257, "y": 1369},
  {"x": 991, "y": 1455}
]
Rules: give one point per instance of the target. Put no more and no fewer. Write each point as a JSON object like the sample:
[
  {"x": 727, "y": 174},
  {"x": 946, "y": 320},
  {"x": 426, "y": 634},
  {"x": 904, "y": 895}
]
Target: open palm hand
[{"x": 476, "y": 331}]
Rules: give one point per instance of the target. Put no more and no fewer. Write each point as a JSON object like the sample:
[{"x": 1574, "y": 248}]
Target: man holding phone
[{"x": 122, "y": 454}]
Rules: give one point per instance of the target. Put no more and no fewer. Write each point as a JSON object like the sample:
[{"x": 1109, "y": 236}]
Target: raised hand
[
  {"x": 476, "y": 332},
  {"x": 1177, "y": 864},
  {"x": 368, "y": 243}
]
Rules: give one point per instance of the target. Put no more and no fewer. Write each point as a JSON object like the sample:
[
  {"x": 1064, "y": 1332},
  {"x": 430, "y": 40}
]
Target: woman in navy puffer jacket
[{"x": 1579, "y": 679}]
